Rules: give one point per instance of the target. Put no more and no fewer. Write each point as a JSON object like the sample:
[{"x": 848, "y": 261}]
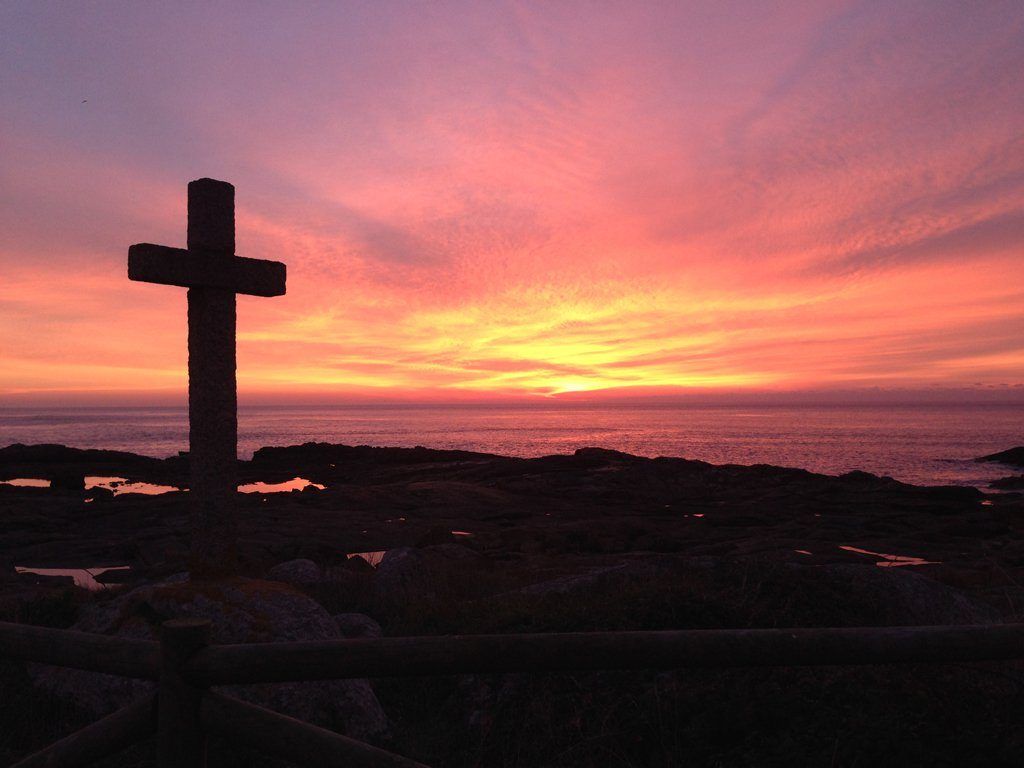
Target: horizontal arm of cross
[{"x": 150, "y": 263}]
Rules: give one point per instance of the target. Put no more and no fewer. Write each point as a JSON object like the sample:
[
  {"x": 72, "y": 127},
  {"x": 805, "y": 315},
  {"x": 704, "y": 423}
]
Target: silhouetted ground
[{"x": 597, "y": 540}]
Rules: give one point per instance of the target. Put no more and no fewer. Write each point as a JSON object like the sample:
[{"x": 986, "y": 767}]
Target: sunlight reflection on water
[
  {"x": 891, "y": 561},
  {"x": 120, "y": 485},
  {"x": 373, "y": 558},
  {"x": 27, "y": 482},
  {"x": 295, "y": 484},
  {"x": 83, "y": 577}
]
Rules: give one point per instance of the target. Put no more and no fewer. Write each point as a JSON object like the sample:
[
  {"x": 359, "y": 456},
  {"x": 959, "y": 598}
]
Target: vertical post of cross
[{"x": 212, "y": 393}]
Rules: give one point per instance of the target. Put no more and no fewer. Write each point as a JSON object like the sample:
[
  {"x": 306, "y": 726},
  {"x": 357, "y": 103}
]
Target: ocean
[{"x": 927, "y": 445}]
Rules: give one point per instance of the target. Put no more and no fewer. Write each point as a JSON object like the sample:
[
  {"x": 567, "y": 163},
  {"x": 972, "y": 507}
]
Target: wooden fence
[{"x": 183, "y": 711}]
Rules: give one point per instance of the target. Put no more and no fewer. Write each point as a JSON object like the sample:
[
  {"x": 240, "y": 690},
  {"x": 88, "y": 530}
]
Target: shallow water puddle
[
  {"x": 121, "y": 485},
  {"x": 117, "y": 485},
  {"x": 373, "y": 558},
  {"x": 295, "y": 484},
  {"x": 84, "y": 577},
  {"x": 27, "y": 482},
  {"x": 891, "y": 561}
]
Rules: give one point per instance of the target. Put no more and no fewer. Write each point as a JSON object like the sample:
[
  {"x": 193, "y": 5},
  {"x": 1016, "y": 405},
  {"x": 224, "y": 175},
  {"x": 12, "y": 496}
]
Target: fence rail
[
  {"x": 184, "y": 711},
  {"x": 245, "y": 723},
  {"x": 125, "y": 727},
  {"x": 80, "y": 650},
  {"x": 700, "y": 648}
]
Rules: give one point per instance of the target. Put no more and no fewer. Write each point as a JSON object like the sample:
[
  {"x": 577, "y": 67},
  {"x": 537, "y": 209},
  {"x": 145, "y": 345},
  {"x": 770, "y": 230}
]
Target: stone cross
[{"x": 213, "y": 275}]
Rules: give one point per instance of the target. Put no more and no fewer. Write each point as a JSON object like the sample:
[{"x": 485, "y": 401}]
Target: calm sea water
[{"x": 917, "y": 444}]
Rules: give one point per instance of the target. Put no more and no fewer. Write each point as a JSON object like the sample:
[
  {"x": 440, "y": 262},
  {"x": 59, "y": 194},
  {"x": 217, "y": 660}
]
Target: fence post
[{"x": 180, "y": 741}]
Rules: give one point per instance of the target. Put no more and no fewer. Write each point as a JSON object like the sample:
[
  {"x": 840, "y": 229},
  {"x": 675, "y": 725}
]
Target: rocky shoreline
[
  {"x": 469, "y": 542},
  {"x": 593, "y": 504}
]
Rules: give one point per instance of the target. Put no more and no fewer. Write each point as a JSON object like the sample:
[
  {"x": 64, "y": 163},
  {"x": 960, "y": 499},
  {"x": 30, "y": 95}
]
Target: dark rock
[
  {"x": 354, "y": 625},
  {"x": 46, "y": 580},
  {"x": 46, "y": 459},
  {"x": 604, "y": 455},
  {"x": 114, "y": 576},
  {"x": 436, "y": 534},
  {"x": 1012, "y": 456},
  {"x": 67, "y": 481},
  {"x": 300, "y": 572},
  {"x": 358, "y": 565},
  {"x": 402, "y": 578},
  {"x": 858, "y": 476},
  {"x": 600, "y": 579},
  {"x": 100, "y": 494},
  {"x": 899, "y": 595},
  {"x": 452, "y": 552},
  {"x": 328, "y": 453},
  {"x": 151, "y": 553},
  {"x": 593, "y": 503},
  {"x": 242, "y": 611}
]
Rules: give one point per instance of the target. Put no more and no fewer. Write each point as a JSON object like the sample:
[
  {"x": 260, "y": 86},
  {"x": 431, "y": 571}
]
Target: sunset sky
[{"x": 488, "y": 200}]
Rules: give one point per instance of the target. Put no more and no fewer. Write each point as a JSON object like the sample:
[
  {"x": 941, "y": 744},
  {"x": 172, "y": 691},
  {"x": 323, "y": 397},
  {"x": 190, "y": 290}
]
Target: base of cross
[
  {"x": 209, "y": 562},
  {"x": 213, "y": 550}
]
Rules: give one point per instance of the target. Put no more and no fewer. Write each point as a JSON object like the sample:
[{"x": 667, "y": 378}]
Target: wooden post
[{"x": 181, "y": 742}]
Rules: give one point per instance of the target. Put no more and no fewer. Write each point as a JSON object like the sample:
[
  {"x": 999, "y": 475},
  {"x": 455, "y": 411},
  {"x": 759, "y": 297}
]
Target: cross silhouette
[{"x": 213, "y": 275}]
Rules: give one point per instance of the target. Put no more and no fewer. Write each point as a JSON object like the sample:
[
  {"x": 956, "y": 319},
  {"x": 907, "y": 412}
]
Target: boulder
[
  {"x": 1012, "y": 456},
  {"x": 242, "y": 611},
  {"x": 895, "y": 596},
  {"x": 100, "y": 494},
  {"x": 403, "y": 577},
  {"x": 45, "y": 580},
  {"x": 452, "y": 552},
  {"x": 67, "y": 481},
  {"x": 436, "y": 535},
  {"x": 114, "y": 576},
  {"x": 1011, "y": 483},
  {"x": 353, "y": 625},
  {"x": 357, "y": 564},
  {"x": 594, "y": 580},
  {"x": 299, "y": 572}
]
